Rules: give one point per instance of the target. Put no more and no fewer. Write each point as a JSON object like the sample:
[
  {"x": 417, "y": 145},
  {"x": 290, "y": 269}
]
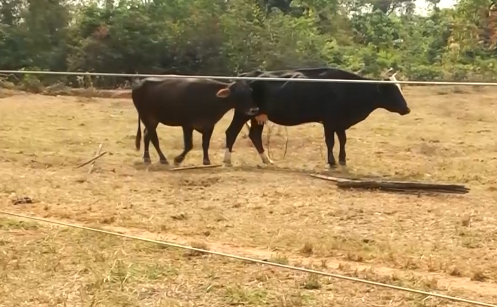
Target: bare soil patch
[{"x": 277, "y": 211}]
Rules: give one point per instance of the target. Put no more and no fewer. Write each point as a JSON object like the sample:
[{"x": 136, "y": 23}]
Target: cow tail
[{"x": 138, "y": 138}]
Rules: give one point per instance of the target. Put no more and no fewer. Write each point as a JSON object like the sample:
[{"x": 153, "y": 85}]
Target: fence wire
[
  {"x": 288, "y": 267},
  {"x": 94, "y": 74}
]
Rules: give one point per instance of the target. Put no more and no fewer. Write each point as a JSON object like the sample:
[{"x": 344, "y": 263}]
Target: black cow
[
  {"x": 192, "y": 103},
  {"x": 338, "y": 106}
]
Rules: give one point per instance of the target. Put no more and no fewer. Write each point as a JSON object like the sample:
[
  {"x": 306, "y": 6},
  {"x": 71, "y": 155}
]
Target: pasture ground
[{"x": 436, "y": 243}]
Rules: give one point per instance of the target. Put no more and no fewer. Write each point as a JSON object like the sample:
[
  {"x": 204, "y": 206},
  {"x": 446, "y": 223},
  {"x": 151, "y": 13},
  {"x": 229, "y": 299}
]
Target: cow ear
[{"x": 223, "y": 93}]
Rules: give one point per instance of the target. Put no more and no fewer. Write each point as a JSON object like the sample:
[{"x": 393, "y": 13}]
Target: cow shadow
[{"x": 339, "y": 172}]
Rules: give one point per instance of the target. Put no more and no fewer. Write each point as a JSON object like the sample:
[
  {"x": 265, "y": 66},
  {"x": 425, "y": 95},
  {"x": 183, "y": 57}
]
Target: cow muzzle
[
  {"x": 252, "y": 111},
  {"x": 405, "y": 112}
]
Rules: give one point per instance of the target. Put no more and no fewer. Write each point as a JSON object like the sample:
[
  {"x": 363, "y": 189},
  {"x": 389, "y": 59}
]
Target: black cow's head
[
  {"x": 241, "y": 93},
  {"x": 391, "y": 95}
]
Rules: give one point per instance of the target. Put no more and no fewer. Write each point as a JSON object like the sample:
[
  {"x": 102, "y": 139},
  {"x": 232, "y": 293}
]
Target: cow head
[
  {"x": 391, "y": 95},
  {"x": 241, "y": 93}
]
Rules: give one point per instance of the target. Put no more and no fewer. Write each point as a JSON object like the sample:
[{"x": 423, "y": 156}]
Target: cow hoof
[
  {"x": 165, "y": 162},
  {"x": 178, "y": 160},
  {"x": 333, "y": 166},
  {"x": 207, "y": 162},
  {"x": 227, "y": 157},
  {"x": 147, "y": 161},
  {"x": 227, "y": 162},
  {"x": 265, "y": 159},
  {"x": 343, "y": 163}
]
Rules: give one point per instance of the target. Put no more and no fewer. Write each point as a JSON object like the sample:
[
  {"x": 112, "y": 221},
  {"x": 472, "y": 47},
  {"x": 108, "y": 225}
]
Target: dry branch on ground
[
  {"x": 97, "y": 154},
  {"x": 91, "y": 160},
  {"x": 395, "y": 186}
]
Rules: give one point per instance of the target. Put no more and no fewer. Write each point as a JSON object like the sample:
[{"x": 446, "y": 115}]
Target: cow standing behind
[
  {"x": 192, "y": 103},
  {"x": 338, "y": 106}
]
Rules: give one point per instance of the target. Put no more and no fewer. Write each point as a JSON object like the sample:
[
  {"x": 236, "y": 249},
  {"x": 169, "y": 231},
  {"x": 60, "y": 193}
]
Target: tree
[{"x": 225, "y": 37}]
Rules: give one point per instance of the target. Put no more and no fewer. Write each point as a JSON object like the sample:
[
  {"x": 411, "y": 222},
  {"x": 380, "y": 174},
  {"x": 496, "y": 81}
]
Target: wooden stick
[
  {"x": 395, "y": 186},
  {"x": 195, "y": 167},
  {"x": 97, "y": 153},
  {"x": 400, "y": 185},
  {"x": 329, "y": 178},
  {"x": 349, "y": 182},
  {"x": 91, "y": 160},
  {"x": 413, "y": 191}
]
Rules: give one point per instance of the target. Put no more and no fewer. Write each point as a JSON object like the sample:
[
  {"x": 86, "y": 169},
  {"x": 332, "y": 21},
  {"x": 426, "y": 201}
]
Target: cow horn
[{"x": 389, "y": 71}]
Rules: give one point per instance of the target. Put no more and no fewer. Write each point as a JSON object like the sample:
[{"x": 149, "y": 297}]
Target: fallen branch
[
  {"x": 395, "y": 186},
  {"x": 195, "y": 167},
  {"x": 329, "y": 178},
  {"x": 384, "y": 185},
  {"x": 417, "y": 191},
  {"x": 91, "y": 160},
  {"x": 413, "y": 191},
  {"x": 97, "y": 153}
]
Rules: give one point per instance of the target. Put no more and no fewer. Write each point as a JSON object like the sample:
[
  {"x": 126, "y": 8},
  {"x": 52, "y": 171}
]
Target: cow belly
[
  {"x": 201, "y": 125},
  {"x": 294, "y": 110},
  {"x": 293, "y": 119},
  {"x": 171, "y": 119}
]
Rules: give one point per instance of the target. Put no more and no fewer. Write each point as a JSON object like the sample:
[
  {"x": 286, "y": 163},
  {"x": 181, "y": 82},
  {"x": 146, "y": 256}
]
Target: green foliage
[{"x": 228, "y": 36}]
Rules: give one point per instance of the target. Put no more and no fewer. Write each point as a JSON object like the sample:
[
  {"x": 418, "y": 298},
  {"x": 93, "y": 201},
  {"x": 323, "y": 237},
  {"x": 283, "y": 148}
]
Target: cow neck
[
  {"x": 364, "y": 111},
  {"x": 367, "y": 106},
  {"x": 358, "y": 112},
  {"x": 228, "y": 104}
]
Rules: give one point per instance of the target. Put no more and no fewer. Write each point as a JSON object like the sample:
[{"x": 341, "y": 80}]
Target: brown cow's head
[{"x": 241, "y": 93}]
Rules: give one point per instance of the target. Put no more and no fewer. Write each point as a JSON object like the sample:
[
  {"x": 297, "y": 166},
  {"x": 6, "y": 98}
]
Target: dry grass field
[{"x": 440, "y": 243}]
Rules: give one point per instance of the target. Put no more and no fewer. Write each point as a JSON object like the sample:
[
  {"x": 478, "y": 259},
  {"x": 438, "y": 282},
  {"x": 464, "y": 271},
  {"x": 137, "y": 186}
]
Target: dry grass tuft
[
  {"x": 269, "y": 212},
  {"x": 311, "y": 282},
  {"x": 479, "y": 275},
  {"x": 197, "y": 245},
  {"x": 307, "y": 249},
  {"x": 280, "y": 259},
  {"x": 454, "y": 271}
]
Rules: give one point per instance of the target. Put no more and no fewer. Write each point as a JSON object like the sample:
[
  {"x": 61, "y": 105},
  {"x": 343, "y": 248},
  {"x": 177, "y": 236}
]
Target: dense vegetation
[{"x": 228, "y": 36}]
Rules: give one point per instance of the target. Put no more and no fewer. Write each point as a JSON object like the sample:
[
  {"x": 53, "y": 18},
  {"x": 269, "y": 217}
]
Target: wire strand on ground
[{"x": 288, "y": 267}]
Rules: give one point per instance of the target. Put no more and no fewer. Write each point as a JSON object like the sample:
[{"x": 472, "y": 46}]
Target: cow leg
[
  {"x": 152, "y": 136},
  {"x": 342, "y": 138},
  {"x": 329, "y": 135},
  {"x": 255, "y": 136},
  {"x": 146, "y": 145},
  {"x": 206, "y": 139},
  {"x": 188, "y": 141},
  {"x": 231, "y": 134}
]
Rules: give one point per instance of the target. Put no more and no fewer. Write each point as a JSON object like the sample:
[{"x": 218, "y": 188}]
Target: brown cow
[{"x": 192, "y": 103}]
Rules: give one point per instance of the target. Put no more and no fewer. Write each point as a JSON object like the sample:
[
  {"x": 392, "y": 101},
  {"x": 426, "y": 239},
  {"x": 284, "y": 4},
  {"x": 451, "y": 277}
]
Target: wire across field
[{"x": 441, "y": 243}]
